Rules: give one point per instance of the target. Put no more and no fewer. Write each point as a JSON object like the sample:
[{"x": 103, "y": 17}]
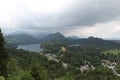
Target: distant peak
[
  {"x": 58, "y": 33},
  {"x": 91, "y": 37}
]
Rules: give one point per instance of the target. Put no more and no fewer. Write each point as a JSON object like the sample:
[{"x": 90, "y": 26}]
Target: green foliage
[
  {"x": 2, "y": 78},
  {"x": 101, "y": 73},
  {"x": 25, "y": 65},
  {"x": 14, "y": 70},
  {"x": 98, "y": 43},
  {"x": 3, "y": 57},
  {"x": 42, "y": 69},
  {"x": 11, "y": 45},
  {"x": 26, "y": 76},
  {"x": 55, "y": 69},
  {"x": 67, "y": 76},
  {"x": 52, "y": 46},
  {"x": 20, "y": 39},
  {"x": 23, "y": 57},
  {"x": 38, "y": 72},
  {"x": 112, "y": 51},
  {"x": 74, "y": 59},
  {"x": 57, "y": 37},
  {"x": 117, "y": 68}
]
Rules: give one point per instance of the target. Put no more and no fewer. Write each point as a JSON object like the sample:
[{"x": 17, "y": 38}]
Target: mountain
[
  {"x": 96, "y": 42},
  {"x": 91, "y": 41},
  {"x": 55, "y": 37},
  {"x": 58, "y": 37},
  {"x": 73, "y": 37},
  {"x": 39, "y": 35},
  {"x": 20, "y": 39},
  {"x": 118, "y": 41}
]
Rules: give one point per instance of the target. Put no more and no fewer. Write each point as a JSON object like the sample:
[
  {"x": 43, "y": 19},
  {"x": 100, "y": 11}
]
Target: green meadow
[{"x": 112, "y": 51}]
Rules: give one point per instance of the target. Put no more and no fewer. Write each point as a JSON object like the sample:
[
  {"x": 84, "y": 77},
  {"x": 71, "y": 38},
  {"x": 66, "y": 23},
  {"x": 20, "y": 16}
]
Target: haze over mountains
[
  {"x": 90, "y": 41},
  {"x": 71, "y": 17}
]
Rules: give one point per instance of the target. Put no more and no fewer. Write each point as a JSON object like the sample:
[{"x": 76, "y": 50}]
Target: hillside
[
  {"x": 91, "y": 41},
  {"x": 118, "y": 41},
  {"x": 98, "y": 42},
  {"x": 112, "y": 51},
  {"x": 54, "y": 37},
  {"x": 20, "y": 39},
  {"x": 54, "y": 64}
]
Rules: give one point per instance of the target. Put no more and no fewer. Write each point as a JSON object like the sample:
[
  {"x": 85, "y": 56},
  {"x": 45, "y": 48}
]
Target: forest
[{"x": 58, "y": 61}]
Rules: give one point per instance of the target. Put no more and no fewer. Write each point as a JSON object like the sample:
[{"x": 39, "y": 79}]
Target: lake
[{"x": 30, "y": 47}]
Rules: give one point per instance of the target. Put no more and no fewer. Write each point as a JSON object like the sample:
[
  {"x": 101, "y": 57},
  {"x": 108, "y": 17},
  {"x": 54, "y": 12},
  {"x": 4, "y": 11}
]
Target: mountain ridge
[
  {"x": 90, "y": 41},
  {"x": 20, "y": 39}
]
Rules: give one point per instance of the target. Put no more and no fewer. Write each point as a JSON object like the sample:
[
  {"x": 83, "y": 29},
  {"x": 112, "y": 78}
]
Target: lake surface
[{"x": 30, "y": 47}]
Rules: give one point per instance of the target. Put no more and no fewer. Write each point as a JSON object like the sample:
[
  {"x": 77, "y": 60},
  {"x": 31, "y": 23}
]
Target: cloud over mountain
[{"x": 63, "y": 15}]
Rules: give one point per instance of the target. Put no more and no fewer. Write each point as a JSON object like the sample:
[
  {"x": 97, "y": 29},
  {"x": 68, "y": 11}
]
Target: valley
[
  {"x": 59, "y": 40},
  {"x": 65, "y": 58}
]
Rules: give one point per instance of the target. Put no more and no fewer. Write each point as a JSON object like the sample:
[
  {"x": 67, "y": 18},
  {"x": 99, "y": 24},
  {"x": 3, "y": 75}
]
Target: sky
[{"x": 83, "y": 18}]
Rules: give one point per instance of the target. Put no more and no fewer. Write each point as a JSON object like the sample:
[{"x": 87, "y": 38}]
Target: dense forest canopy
[{"x": 59, "y": 61}]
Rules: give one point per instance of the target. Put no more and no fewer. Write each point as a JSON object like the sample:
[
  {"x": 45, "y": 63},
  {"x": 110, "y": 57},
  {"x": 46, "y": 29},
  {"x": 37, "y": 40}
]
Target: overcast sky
[{"x": 83, "y": 18}]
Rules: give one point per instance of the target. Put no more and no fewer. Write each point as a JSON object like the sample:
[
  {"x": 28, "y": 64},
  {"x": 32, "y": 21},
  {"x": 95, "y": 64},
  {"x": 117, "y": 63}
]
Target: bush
[
  {"x": 26, "y": 76},
  {"x": 2, "y": 78}
]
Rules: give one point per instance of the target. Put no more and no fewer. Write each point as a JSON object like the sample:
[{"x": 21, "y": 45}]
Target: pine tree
[
  {"x": 3, "y": 57},
  {"x": 38, "y": 72}
]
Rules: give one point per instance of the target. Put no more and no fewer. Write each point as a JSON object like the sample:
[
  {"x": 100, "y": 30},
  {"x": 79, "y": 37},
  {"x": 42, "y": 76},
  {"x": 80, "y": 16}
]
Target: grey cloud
[
  {"x": 80, "y": 13},
  {"x": 91, "y": 13}
]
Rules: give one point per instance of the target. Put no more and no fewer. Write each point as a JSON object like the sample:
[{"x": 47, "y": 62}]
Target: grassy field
[{"x": 112, "y": 51}]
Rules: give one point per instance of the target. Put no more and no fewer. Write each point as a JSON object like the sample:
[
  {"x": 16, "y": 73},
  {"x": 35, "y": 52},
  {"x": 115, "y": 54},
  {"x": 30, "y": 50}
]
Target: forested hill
[
  {"x": 55, "y": 37},
  {"x": 95, "y": 42},
  {"x": 60, "y": 62},
  {"x": 58, "y": 37},
  {"x": 20, "y": 39},
  {"x": 91, "y": 41}
]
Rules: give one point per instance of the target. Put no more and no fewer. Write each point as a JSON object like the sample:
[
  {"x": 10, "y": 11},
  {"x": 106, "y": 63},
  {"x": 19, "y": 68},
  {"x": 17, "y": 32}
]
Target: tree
[
  {"x": 3, "y": 57},
  {"x": 26, "y": 76},
  {"x": 52, "y": 46},
  {"x": 38, "y": 72},
  {"x": 14, "y": 71}
]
